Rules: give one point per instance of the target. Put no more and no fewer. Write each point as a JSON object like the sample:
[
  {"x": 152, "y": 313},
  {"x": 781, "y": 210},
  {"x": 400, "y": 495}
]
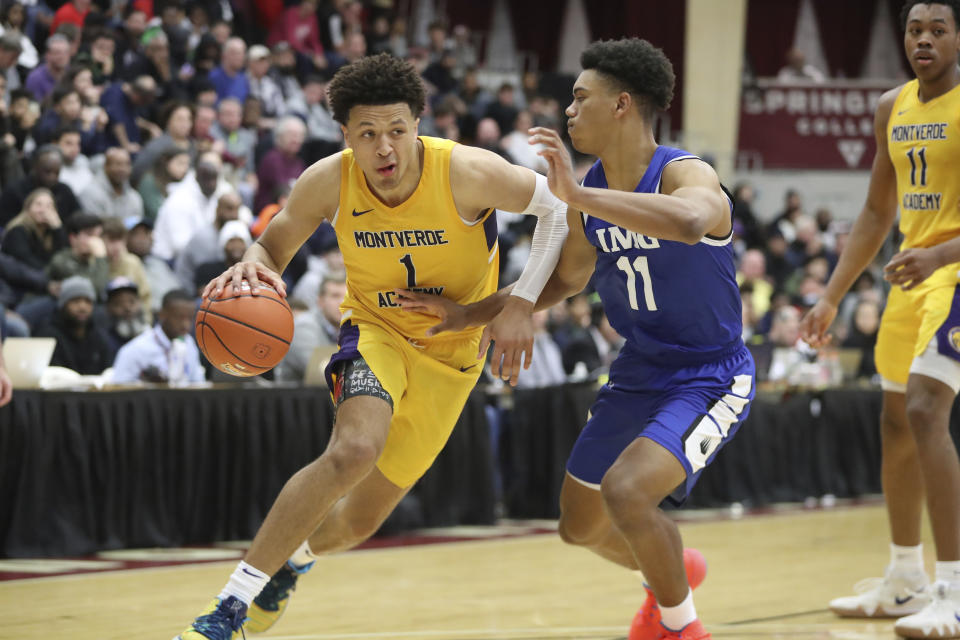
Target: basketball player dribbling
[
  {"x": 409, "y": 212},
  {"x": 653, "y": 227},
  {"x": 917, "y": 127}
]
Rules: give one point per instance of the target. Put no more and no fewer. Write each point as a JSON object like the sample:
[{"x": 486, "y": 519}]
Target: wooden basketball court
[{"x": 769, "y": 576}]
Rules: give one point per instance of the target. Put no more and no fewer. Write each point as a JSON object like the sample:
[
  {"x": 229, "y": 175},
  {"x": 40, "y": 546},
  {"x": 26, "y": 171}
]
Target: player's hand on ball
[
  {"x": 453, "y": 316},
  {"x": 253, "y": 272},
  {"x": 909, "y": 268},
  {"x": 814, "y": 325}
]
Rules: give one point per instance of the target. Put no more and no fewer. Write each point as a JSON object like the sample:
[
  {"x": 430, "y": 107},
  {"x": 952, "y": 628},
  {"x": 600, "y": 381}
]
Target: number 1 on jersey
[
  {"x": 640, "y": 266},
  {"x": 407, "y": 261}
]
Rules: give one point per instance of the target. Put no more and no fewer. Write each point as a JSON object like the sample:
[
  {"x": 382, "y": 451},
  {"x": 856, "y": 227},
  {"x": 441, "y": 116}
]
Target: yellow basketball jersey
[
  {"x": 422, "y": 244},
  {"x": 924, "y": 145}
]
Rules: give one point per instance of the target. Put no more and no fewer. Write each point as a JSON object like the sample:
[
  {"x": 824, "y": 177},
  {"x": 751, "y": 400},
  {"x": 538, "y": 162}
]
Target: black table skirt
[{"x": 81, "y": 472}]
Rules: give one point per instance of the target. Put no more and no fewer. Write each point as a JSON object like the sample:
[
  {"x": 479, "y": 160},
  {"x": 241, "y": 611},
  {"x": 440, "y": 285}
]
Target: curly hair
[
  {"x": 635, "y": 66},
  {"x": 375, "y": 80},
  {"x": 954, "y": 6}
]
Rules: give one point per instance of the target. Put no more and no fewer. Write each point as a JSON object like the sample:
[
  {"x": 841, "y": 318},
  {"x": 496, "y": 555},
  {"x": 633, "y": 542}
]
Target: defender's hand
[
  {"x": 909, "y": 268},
  {"x": 814, "y": 325},
  {"x": 253, "y": 272},
  {"x": 453, "y": 316},
  {"x": 560, "y": 176},
  {"x": 512, "y": 335}
]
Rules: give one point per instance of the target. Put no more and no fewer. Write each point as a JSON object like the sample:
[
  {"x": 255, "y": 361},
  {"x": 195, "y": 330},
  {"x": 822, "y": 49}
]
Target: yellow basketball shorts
[
  {"x": 429, "y": 383},
  {"x": 920, "y": 332}
]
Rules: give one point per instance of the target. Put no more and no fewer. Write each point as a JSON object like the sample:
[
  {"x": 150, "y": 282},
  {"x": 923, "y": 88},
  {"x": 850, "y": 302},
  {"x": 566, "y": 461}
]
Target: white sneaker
[
  {"x": 939, "y": 619},
  {"x": 892, "y": 596}
]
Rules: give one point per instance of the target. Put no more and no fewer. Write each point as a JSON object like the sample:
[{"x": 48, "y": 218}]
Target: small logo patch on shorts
[{"x": 954, "y": 337}]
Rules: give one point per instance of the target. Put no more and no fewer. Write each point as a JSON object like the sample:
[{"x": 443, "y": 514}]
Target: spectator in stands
[
  {"x": 229, "y": 78},
  {"x": 125, "y": 314},
  {"x": 168, "y": 170},
  {"x": 328, "y": 260},
  {"x": 172, "y": 21},
  {"x": 124, "y": 264},
  {"x": 160, "y": 276},
  {"x": 20, "y": 282},
  {"x": 324, "y": 135},
  {"x": 166, "y": 353},
  {"x": 204, "y": 245},
  {"x": 378, "y": 37},
  {"x": 546, "y": 367},
  {"x": 232, "y": 240},
  {"x": 73, "y": 35},
  {"x": 110, "y": 194},
  {"x": 284, "y": 73},
  {"x": 82, "y": 345},
  {"x": 100, "y": 60},
  {"x": 354, "y": 46},
  {"x": 778, "y": 267},
  {"x": 784, "y": 221},
  {"x": 517, "y": 145},
  {"x": 177, "y": 119},
  {"x": 488, "y": 137},
  {"x": 282, "y": 164},
  {"x": 464, "y": 53},
  {"x": 67, "y": 110},
  {"x": 504, "y": 111},
  {"x": 863, "y": 336},
  {"x": 239, "y": 147},
  {"x": 75, "y": 169},
  {"x": 797, "y": 71},
  {"x": 86, "y": 256},
  {"x": 157, "y": 62},
  {"x": 12, "y": 18},
  {"x": 314, "y": 328},
  {"x": 24, "y": 113},
  {"x": 298, "y": 26},
  {"x": 473, "y": 95},
  {"x": 73, "y": 12},
  {"x": 263, "y": 86},
  {"x": 36, "y": 233},
  {"x": 126, "y": 105},
  {"x": 751, "y": 230},
  {"x": 44, "y": 173},
  {"x": 439, "y": 73},
  {"x": 191, "y": 205},
  {"x": 45, "y": 77},
  {"x": 584, "y": 349},
  {"x": 753, "y": 272},
  {"x": 203, "y": 121}
]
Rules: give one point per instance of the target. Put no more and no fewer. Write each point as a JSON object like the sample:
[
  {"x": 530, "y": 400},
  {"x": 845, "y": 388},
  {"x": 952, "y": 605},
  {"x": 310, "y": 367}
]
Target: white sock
[
  {"x": 676, "y": 618},
  {"x": 302, "y": 556},
  {"x": 949, "y": 572},
  {"x": 906, "y": 560},
  {"x": 245, "y": 583}
]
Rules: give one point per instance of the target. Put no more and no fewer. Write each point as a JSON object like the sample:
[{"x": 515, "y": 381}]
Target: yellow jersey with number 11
[
  {"x": 422, "y": 244},
  {"x": 924, "y": 145}
]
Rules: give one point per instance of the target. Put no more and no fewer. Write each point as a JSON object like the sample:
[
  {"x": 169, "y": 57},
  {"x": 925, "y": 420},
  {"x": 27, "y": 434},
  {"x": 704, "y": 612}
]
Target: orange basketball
[{"x": 244, "y": 334}]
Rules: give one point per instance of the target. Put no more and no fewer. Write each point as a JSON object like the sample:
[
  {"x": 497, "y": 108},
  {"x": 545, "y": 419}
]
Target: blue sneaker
[
  {"x": 267, "y": 607},
  {"x": 221, "y": 620}
]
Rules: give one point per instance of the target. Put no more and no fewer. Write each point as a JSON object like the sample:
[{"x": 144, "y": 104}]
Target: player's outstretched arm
[
  {"x": 267, "y": 257},
  {"x": 689, "y": 209},
  {"x": 868, "y": 233},
  {"x": 482, "y": 180}
]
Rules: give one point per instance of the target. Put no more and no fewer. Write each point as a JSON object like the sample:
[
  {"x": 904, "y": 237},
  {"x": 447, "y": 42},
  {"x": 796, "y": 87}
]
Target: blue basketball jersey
[{"x": 677, "y": 305}]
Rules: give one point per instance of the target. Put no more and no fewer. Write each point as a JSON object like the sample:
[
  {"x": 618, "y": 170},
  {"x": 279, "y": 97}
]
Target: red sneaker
[{"x": 646, "y": 624}]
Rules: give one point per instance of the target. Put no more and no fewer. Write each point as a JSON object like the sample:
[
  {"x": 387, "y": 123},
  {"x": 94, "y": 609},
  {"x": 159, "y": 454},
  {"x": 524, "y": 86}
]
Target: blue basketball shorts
[{"x": 692, "y": 421}]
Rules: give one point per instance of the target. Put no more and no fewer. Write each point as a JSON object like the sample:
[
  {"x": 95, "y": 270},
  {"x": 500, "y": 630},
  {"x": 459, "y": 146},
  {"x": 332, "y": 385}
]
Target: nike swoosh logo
[
  {"x": 250, "y": 573},
  {"x": 360, "y": 213},
  {"x": 900, "y": 113},
  {"x": 900, "y": 600},
  {"x": 463, "y": 369}
]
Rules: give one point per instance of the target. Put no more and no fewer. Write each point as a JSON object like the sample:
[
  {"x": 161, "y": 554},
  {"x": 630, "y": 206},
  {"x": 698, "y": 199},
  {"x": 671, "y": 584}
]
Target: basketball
[
  {"x": 244, "y": 334},
  {"x": 696, "y": 566}
]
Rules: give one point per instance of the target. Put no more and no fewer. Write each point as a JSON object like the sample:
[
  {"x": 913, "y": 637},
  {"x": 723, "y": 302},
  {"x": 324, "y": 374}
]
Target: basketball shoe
[
  {"x": 646, "y": 624},
  {"x": 892, "y": 596},
  {"x": 267, "y": 607},
  {"x": 939, "y": 619},
  {"x": 221, "y": 620}
]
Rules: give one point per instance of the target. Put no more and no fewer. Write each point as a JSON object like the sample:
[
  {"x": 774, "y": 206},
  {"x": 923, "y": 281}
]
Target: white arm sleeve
[{"x": 547, "y": 241}]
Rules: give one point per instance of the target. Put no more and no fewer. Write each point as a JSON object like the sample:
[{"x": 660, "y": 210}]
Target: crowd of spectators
[{"x": 144, "y": 145}]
